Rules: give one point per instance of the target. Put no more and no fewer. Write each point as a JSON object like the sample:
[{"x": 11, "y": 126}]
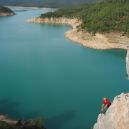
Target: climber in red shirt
[{"x": 106, "y": 104}]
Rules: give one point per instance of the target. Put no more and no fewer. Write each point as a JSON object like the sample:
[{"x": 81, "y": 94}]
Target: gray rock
[{"x": 117, "y": 116}]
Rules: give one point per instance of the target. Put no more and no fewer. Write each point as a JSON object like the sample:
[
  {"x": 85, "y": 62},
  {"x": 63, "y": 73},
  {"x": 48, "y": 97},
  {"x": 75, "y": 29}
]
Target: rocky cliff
[
  {"x": 117, "y": 116},
  {"x": 5, "y": 11}
]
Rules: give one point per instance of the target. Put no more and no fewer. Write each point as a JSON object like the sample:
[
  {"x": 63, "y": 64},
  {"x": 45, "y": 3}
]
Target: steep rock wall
[{"x": 117, "y": 116}]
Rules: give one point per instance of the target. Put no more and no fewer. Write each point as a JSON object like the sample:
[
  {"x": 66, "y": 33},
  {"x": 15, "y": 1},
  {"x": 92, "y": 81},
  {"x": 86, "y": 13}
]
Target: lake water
[{"x": 43, "y": 73}]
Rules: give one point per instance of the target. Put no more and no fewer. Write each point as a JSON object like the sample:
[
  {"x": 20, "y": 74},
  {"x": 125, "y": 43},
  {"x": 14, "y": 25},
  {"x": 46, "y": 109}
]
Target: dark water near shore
[{"x": 43, "y": 73}]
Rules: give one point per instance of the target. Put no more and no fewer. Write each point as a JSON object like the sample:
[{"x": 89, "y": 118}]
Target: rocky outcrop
[
  {"x": 5, "y": 11},
  {"x": 8, "y": 123},
  {"x": 4, "y": 118},
  {"x": 117, "y": 116}
]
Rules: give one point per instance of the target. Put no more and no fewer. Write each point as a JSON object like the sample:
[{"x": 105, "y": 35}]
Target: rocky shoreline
[
  {"x": 8, "y": 123},
  {"x": 99, "y": 41},
  {"x": 117, "y": 116},
  {"x": 4, "y": 118}
]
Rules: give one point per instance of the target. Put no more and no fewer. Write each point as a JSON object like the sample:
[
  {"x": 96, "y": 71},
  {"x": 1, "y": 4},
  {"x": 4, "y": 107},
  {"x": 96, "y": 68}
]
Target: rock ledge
[{"x": 117, "y": 116}]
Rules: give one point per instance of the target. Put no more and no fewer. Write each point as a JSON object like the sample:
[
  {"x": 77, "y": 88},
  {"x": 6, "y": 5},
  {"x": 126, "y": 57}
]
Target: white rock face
[
  {"x": 117, "y": 116},
  {"x": 127, "y": 62}
]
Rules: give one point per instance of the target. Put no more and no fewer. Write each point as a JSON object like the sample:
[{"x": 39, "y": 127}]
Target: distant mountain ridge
[{"x": 48, "y": 3}]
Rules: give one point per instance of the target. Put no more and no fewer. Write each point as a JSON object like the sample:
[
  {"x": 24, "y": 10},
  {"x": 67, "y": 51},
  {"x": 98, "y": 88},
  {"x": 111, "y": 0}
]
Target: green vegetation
[{"x": 104, "y": 16}]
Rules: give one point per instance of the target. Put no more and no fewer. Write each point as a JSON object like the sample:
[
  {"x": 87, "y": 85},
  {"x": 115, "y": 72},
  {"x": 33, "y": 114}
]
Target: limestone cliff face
[
  {"x": 127, "y": 62},
  {"x": 117, "y": 116}
]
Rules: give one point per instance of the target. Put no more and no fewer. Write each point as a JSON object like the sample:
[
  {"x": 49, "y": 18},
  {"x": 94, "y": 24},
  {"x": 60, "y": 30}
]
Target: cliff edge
[{"x": 117, "y": 116}]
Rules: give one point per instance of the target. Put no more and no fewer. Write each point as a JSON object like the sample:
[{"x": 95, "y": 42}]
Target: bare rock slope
[{"x": 117, "y": 116}]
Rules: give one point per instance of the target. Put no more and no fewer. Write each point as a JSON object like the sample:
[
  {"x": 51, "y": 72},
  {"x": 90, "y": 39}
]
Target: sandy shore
[{"x": 99, "y": 41}]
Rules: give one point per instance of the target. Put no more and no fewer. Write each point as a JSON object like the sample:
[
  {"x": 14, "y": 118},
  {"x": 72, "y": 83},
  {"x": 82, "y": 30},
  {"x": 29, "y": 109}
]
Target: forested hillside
[{"x": 104, "y": 16}]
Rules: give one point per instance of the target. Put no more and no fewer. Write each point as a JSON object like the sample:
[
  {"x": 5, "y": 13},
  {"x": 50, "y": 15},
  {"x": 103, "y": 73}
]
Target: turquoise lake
[{"x": 44, "y": 74}]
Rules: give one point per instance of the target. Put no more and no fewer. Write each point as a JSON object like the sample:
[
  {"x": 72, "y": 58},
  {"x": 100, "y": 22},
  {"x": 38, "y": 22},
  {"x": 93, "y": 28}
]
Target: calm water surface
[{"x": 43, "y": 73}]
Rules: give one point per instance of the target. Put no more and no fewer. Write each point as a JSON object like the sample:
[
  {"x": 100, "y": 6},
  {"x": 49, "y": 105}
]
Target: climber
[{"x": 106, "y": 104}]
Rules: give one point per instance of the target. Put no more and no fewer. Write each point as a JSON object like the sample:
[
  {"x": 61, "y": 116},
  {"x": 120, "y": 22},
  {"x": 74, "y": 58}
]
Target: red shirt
[{"x": 107, "y": 102}]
